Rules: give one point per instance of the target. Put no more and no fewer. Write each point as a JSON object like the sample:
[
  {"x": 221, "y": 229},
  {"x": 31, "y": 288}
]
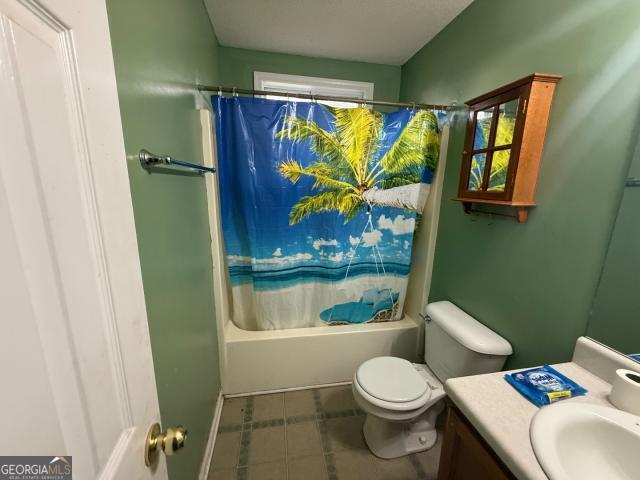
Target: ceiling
[{"x": 378, "y": 31}]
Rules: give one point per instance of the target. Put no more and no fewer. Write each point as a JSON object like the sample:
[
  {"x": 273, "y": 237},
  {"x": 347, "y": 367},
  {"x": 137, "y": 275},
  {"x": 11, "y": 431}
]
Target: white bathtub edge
[{"x": 283, "y": 359}]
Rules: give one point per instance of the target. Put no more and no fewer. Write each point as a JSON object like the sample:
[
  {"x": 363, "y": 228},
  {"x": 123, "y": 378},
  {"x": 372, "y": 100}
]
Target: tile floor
[{"x": 306, "y": 434}]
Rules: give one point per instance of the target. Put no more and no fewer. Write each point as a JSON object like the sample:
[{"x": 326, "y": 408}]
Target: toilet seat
[{"x": 392, "y": 383}]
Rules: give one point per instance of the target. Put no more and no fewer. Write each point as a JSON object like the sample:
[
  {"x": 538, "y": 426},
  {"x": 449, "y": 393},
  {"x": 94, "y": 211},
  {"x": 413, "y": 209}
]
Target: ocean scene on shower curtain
[{"x": 319, "y": 207}]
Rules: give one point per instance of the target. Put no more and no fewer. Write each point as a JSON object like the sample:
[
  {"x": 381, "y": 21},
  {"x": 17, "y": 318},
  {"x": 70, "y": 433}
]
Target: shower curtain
[{"x": 319, "y": 206}]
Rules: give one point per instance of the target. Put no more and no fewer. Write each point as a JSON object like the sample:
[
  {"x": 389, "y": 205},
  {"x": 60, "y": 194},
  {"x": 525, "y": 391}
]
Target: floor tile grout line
[
  {"x": 321, "y": 424},
  {"x": 286, "y": 443},
  {"x": 413, "y": 460},
  {"x": 319, "y": 419},
  {"x": 245, "y": 439},
  {"x": 319, "y": 416},
  {"x": 244, "y": 407},
  {"x": 294, "y": 419}
]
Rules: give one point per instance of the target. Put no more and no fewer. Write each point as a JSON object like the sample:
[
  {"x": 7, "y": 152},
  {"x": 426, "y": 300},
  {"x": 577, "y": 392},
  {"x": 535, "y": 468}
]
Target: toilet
[{"x": 402, "y": 399}]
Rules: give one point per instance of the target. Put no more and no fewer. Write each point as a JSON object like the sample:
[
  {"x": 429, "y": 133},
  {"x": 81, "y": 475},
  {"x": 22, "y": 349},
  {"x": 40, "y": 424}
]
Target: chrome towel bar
[{"x": 148, "y": 159}]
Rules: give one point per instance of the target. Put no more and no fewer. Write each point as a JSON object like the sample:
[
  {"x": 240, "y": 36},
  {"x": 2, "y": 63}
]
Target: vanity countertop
[{"x": 502, "y": 415}]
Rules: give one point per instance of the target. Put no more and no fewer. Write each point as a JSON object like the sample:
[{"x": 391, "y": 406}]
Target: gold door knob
[{"x": 169, "y": 442}]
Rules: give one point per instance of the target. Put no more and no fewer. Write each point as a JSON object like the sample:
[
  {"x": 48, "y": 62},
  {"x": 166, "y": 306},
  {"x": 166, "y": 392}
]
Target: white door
[{"x": 77, "y": 372}]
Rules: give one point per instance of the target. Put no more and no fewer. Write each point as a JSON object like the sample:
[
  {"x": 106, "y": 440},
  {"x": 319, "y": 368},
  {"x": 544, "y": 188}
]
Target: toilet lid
[{"x": 391, "y": 379}]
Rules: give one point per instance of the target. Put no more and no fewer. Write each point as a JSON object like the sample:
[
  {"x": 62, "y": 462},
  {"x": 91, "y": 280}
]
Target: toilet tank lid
[{"x": 467, "y": 330}]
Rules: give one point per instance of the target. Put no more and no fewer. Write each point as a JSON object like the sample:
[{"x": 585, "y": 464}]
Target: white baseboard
[
  {"x": 208, "y": 451},
  {"x": 291, "y": 389}
]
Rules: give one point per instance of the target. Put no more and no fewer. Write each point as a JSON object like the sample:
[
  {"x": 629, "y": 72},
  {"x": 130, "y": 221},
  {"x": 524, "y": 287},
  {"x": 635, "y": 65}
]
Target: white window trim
[{"x": 280, "y": 82}]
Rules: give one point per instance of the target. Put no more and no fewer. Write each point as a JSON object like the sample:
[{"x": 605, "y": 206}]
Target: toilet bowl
[{"x": 402, "y": 400}]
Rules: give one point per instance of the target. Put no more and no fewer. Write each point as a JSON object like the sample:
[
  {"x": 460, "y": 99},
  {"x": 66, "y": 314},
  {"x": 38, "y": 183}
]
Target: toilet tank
[{"x": 457, "y": 345}]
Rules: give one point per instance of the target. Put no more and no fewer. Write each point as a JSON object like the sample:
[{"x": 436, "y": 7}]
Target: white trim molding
[
  {"x": 280, "y": 82},
  {"x": 211, "y": 442},
  {"x": 290, "y": 389}
]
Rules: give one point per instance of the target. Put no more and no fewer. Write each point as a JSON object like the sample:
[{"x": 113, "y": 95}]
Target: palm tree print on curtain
[
  {"x": 350, "y": 165},
  {"x": 319, "y": 206}
]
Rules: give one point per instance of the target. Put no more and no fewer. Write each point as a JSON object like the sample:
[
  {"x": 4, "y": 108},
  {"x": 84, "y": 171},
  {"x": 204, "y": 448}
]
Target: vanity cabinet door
[{"x": 465, "y": 455}]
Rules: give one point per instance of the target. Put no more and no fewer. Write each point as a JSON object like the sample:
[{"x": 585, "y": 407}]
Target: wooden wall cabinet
[
  {"x": 504, "y": 142},
  {"x": 465, "y": 454}
]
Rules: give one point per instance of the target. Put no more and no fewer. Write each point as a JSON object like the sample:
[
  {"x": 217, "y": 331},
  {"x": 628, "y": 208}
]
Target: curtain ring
[
  {"x": 220, "y": 92},
  {"x": 413, "y": 107},
  {"x": 234, "y": 92}
]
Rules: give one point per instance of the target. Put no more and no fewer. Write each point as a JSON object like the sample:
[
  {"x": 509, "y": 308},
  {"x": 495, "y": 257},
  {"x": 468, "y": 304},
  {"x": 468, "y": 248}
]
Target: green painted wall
[
  {"x": 160, "y": 48},
  {"x": 156, "y": 64},
  {"x": 615, "y": 316},
  {"x": 534, "y": 283},
  {"x": 238, "y": 65}
]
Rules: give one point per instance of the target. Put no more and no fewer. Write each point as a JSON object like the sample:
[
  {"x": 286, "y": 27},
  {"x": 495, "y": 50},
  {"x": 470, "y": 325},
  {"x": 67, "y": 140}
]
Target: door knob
[{"x": 169, "y": 442}]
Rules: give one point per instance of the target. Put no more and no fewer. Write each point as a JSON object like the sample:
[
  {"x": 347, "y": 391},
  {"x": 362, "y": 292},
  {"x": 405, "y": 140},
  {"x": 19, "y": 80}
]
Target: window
[{"x": 276, "y": 82}]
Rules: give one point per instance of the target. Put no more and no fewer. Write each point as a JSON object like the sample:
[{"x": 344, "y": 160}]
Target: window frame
[{"x": 281, "y": 82}]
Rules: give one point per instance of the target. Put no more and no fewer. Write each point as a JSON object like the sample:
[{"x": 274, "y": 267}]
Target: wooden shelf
[
  {"x": 504, "y": 203},
  {"x": 521, "y": 208}
]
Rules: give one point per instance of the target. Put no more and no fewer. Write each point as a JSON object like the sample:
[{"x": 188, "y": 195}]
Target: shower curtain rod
[{"x": 242, "y": 91}]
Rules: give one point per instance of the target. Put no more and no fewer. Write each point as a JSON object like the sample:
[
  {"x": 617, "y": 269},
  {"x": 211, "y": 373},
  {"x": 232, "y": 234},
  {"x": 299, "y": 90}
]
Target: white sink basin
[{"x": 581, "y": 441}]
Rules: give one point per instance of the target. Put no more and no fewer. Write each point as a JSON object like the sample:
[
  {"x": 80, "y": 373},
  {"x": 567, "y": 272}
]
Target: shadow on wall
[{"x": 534, "y": 283}]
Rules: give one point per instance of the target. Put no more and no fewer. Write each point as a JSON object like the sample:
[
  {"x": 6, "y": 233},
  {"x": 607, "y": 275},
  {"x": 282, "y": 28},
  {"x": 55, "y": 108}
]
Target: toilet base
[{"x": 388, "y": 439}]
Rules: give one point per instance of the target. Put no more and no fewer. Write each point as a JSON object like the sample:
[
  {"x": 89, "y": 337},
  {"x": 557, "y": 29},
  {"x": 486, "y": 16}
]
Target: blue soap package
[{"x": 544, "y": 385}]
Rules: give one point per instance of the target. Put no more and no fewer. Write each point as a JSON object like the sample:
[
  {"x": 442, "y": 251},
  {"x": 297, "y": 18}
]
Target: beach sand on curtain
[{"x": 302, "y": 303}]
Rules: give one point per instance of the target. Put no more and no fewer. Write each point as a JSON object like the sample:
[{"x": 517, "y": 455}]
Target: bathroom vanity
[
  {"x": 465, "y": 454},
  {"x": 488, "y": 421}
]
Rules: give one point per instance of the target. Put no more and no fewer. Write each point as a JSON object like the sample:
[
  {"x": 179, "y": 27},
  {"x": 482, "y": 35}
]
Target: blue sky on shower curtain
[{"x": 262, "y": 247}]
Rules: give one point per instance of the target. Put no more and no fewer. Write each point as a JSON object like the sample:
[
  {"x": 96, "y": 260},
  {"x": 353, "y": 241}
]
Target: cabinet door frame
[
  {"x": 458, "y": 429},
  {"x": 522, "y": 94}
]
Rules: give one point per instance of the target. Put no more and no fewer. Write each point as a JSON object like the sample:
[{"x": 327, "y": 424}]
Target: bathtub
[{"x": 260, "y": 361}]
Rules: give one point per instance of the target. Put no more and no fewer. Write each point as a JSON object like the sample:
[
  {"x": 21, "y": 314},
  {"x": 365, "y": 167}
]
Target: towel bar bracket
[{"x": 148, "y": 160}]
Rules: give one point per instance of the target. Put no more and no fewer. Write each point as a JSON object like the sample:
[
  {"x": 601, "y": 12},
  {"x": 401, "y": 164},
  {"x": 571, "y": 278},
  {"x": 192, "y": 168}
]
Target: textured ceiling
[{"x": 379, "y": 31}]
